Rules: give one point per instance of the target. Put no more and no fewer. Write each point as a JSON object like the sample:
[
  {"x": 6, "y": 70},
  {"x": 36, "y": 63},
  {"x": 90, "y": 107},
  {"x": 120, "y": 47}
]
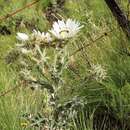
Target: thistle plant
[{"x": 43, "y": 58}]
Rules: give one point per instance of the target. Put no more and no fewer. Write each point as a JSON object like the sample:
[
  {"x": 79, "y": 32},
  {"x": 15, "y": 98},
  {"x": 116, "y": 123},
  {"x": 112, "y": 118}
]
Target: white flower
[
  {"x": 42, "y": 36},
  {"x": 99, "y": 72},
  {"x": 22, "y": 37},
  {"x": 68, "y": 29}
]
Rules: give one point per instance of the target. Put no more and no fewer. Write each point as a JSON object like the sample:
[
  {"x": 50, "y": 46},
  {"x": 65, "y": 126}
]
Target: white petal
[{"x": 22, "y": 36}]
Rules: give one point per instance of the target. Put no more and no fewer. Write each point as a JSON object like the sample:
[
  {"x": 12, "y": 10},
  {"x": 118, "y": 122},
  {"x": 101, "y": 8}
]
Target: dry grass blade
[
  {"x": 18, "y": 10},
  {"x": 8, "y": 91},
  {"x": 87, "y": 45}
]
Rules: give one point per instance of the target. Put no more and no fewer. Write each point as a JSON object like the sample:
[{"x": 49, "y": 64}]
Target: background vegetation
[{"x": 107, "y": 102}]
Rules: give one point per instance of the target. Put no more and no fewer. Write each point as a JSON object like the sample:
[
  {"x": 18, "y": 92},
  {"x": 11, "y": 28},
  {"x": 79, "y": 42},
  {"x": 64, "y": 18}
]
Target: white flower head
[
  {"x": 64, "y": 30},
  {"x": 99, "y": 72},
  {"x": 22, "y": 36},
  {"x": 42, "y": 36}
]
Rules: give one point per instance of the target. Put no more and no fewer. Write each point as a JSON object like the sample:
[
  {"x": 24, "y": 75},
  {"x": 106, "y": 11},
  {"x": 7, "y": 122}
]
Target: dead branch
[{"x": 119, "y": 15}]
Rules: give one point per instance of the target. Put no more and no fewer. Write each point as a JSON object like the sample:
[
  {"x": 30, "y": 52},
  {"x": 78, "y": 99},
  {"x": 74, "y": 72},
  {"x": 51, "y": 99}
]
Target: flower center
[
  {"x": 45, "y": 39},
  {"x": 64, "y": 33}
]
